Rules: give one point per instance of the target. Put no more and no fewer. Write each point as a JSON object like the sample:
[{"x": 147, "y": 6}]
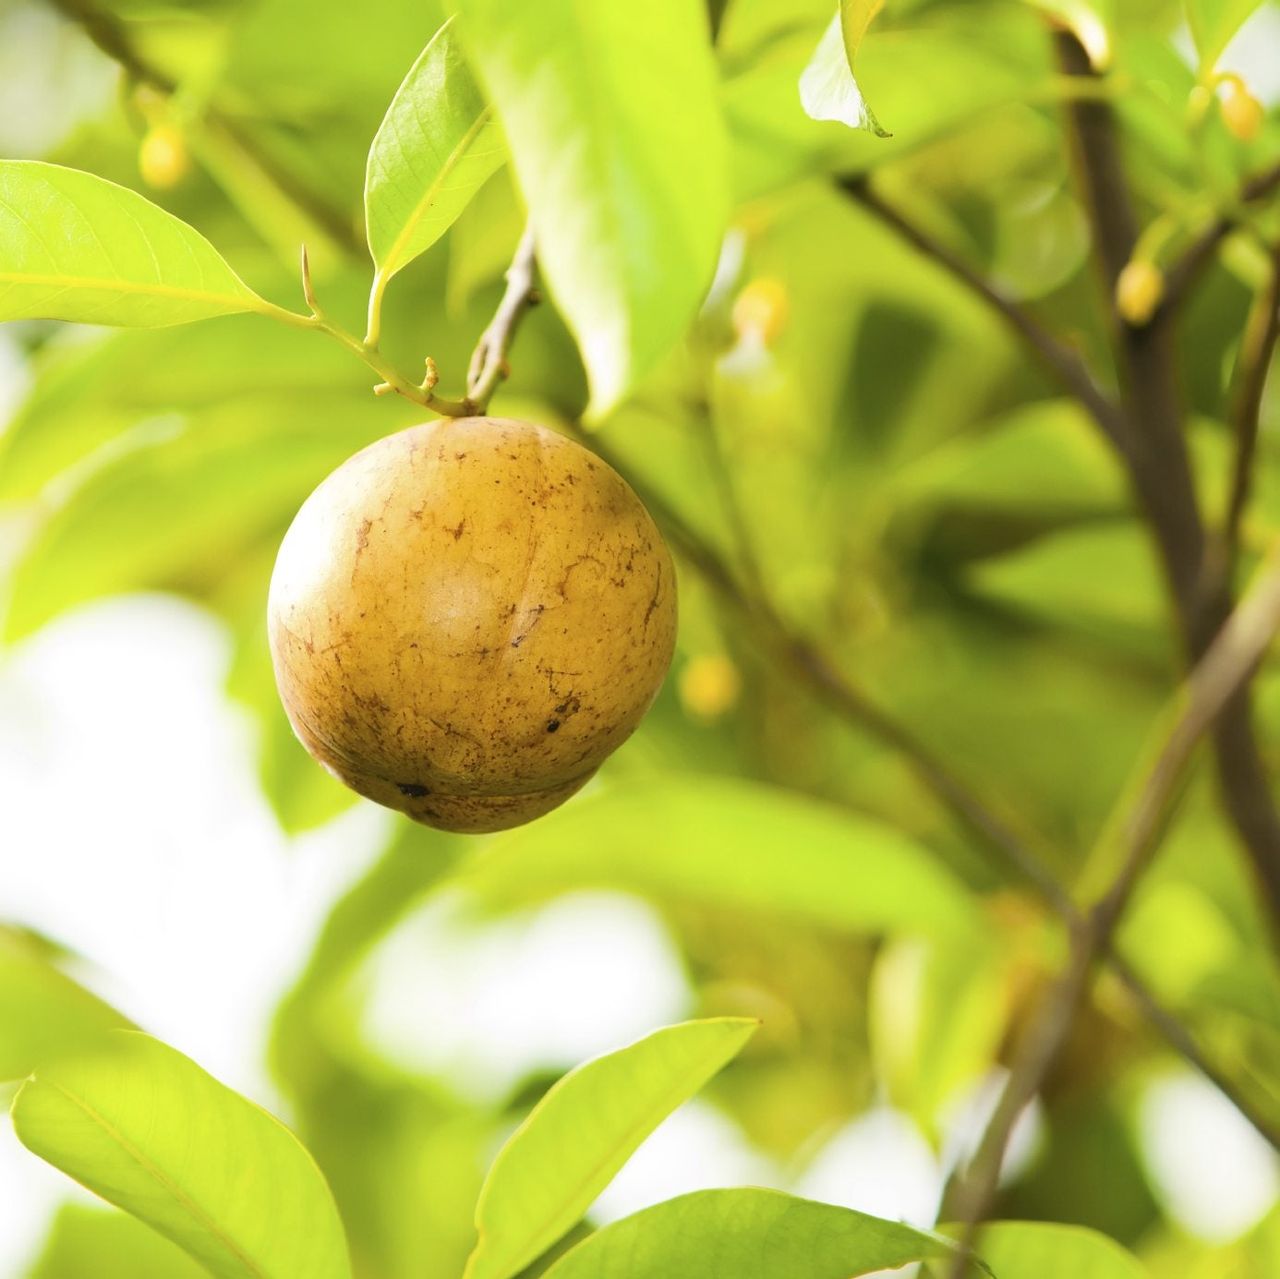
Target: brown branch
[
  {"x": 1257, "y": 346},
  {"x": 1160, "y": 472},
  {"x": 1227, "y": 666},
  {"x": 1060, "y": 360},
  {"x": 489, "y": 360}
]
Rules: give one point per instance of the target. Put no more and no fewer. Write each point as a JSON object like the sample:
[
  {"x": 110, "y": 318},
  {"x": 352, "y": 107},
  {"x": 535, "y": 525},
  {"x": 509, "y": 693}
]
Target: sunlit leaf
[
  {"x": 76, "y": 247},
  {"x": 218, "y": 481},
  {"x": 436, "y": 148},
  {"x": 749, "y": 1234},
  {"x": 43, "y": 1013},
  {"x": 148, "y": 1130},
  {"x": 828, "y": 89},
  {"x": 582, "y": 1132},
  {"x": 936, "y": 1015},
  {"x": 1045, "y": 1250},
  {"x": 109, "y": 1245},
  {"x": 1214, "y": 23},
  {"x": 729, "y": 843},
  {"x": 617, "y": 141}
]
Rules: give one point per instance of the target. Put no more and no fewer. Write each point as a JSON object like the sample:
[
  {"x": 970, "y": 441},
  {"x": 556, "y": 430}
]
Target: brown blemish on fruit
[{"x": 552, "y": 581}]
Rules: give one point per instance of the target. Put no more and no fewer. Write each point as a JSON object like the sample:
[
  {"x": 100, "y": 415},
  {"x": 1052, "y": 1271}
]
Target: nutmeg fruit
[{"x": 466, "y": 618}]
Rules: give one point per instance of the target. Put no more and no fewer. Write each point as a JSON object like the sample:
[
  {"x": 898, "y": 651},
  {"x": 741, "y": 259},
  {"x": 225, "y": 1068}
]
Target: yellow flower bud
[
  {"x": 1241, "y": 112},
  {"x": 709, "y": 686},
  {"x": 760, "y": 311},
  {"x": 163, "y": 158},
  {"x": 1138, "y": 291}
]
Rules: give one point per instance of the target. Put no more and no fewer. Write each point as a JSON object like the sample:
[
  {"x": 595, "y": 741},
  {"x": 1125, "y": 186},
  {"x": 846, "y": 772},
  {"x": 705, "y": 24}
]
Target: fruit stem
[{"x": 489, "y": 364}]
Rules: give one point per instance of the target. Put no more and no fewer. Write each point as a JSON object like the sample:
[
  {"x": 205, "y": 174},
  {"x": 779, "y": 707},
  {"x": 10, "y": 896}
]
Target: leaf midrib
[
  {"x": 389, "y": 265},
  {"x": 245, "y": 301}
]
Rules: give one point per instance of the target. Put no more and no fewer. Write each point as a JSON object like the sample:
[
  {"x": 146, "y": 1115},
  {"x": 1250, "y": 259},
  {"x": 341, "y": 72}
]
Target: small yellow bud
[
  {"x": 709, "y": 686},
  {"x": 1241, "y": 112},
  {"x": 760, "y": 311},
  {"x": 163, "y": 158},
  {"x": 1138, "y": 291}
]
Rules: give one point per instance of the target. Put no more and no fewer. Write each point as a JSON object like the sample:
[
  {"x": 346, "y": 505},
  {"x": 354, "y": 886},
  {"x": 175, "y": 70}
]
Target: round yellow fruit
[{"x": 467, "y": 618}]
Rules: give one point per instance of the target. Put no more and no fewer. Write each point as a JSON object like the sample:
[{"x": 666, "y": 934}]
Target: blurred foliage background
[{"x": 864, "y": 447}]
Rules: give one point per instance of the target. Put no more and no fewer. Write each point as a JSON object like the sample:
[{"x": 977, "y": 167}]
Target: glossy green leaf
[
  {"x": 148, "y": 1130},
  {"x": 746, "y": 1234},
  {"x": 87, "y": 1241},
  {"x": 76, "y": 247},
  {"x": 828, "y": 89},
  {"x": 728, "y": 843},
  {"x": 436, "y": 148},
  {"x": 44, "y": 1015},
  {"x": 1214, "y": 24},
  {"x": 1044, "y": 1250},
  {"x": 582, "y": 1132},
  {"x": 618, "y": 144}
]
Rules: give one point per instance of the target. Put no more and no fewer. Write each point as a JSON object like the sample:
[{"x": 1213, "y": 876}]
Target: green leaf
[
  {"x": 582, "y": 1132},
  {"x": 77, "y": 247},
  {"x": 746, "y": 1234},
  {"x": 148, "y": 1130},
  {"x": 730, "y": 843},
  {"x": 436, "y": 148},
  {"x": 828, "y": 90},
  {"x": 936, "y": 1010},
  {"x": 1040, "y": 1250},
  {"x": 1214, "y": 24},
  {"x": 108, "y": 1245},
  {"x": 613, "y": 120},
  {"x": 44, "y": 1015}
]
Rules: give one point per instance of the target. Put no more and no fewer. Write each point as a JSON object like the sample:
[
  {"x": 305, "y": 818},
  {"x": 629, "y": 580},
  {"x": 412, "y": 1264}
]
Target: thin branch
[
  {"x": 489, "y": 360},
  {"x": 1017, "y": 853},
  {"x": 1226, "y": 668},
  {"x": 1257, "y": 346},
  {"x": 1060, "y": 360},
  {"x": 1183, "y": 274},
  {"x": 1184, "y": 1043}
]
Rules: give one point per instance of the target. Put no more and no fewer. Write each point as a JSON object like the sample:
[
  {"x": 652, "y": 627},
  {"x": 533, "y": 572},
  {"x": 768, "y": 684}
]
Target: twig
[
  {"x": 1058, "y": 358},
  {"x": 1180, "y": 277},
  {"x": 1257, "y": 346},
  {"x": 1184, "y": 1043},
  {"x": 489, "y": 360},
  {"x": 1226, "y": 667}
]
